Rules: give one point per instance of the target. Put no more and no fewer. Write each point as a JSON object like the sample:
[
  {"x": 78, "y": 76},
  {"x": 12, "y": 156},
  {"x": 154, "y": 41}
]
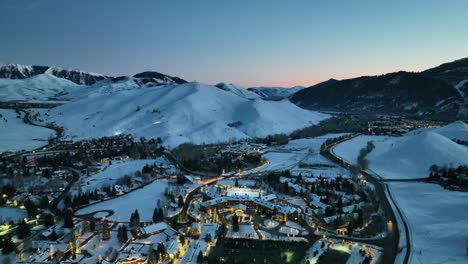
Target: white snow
[
  {"x": 110, "y": 174},
  {"x": 37, "y": 88},
  {"x": 437, "y": 220},
  {"x": 144, "y": 200},
  {"x": 349, "y": 150},
  {"x": 413, "y": 155},
  {"x": 455, "y": 130},
  {"x": 192, "y": 112},
  {"x": 245, "y": 231},
  {"x": 459, "y": 86},
  {"x": 237, "y": 90},
  {"x": 276, "y": 93},
  {"x": 16, "y": 135},
  {"x": 11, "y": 214},
  {"x": 406, "y": 157}
]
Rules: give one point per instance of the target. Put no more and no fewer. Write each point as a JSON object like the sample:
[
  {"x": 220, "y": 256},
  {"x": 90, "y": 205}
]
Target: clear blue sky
[{"x": 251, "y": 43}]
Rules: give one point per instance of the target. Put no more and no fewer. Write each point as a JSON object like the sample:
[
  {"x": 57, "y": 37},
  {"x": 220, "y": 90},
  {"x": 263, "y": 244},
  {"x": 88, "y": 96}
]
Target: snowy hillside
[
  {"x": 37, "y": 88},
  {"x": 16, "y": 135},
  {"x": 238, "y": 90},
  {"x": 412, "y": 156},
  {"x": 192, "y": 112},
  {"x": 19, "y": 71},
  {"x": 275, "y": 93},
  {"x": 406, "y": 157},
  {"x": 456, "y": 130}
]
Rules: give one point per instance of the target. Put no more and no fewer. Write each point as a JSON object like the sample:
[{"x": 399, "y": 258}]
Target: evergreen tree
[
  {"x": 48, "y": 220},
  {"x": 155, "y": 215},
  {"x": 105, "y": 230},
  {"x": 235, "y": 223},
  {"x": 92, "y": 224},
  {"x": 7, "y": 245},
  {"x": 68, "y": 219},
  {"x": 200, "y": 257},
  {"x": 181, "y": 201},
  {"x": 23, "y": 230},
  {"x": 31, "y": 208},
  {"x": 161, "y": 251}
]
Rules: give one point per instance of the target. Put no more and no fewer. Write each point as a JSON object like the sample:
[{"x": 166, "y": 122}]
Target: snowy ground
[
  {"x": 288, "y": 230},
  {"x": 279, "y": 161},
  {"x": 349, "y": 150},
  {"x": 245, "y": 231},
  {"x": 11, "y": 214},
  {"x": 268, "y": 223},
  {"x": 144, "y": 200},
  {"x": 302, "y": 156},
  {"x": 414, "y": 153},
  {"x": 16, "y": 135},
  {"x": 354, "y": 258},
  {"x": 437, "y": 220},
  {"x": 110, "y": 174}
]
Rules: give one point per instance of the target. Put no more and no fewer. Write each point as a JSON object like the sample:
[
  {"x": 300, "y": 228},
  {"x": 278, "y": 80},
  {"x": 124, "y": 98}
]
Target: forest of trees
[{"x": 449, "y": 176}]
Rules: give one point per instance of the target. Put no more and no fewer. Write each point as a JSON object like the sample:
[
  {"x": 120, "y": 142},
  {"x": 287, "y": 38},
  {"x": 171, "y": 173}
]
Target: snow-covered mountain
[
  {"x": 440, "y": 92},
  {"x": 41, "y": 87},
  {"x": 275, "y": 93},
  {"x": 151, "y": 104},
  {"x": 19, "y": 71},
  {"x": 192, "y": 112},
  {"x": 237, "y": 90},
  {"x": 159, "y": 78}
]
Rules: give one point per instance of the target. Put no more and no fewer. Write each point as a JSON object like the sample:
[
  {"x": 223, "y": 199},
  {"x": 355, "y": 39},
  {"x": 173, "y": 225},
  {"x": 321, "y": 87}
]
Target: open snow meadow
[
  {"x": 108, "y": 175},
  {"x": 144, "y": 200},
  {"x": 438, "y": 221},
  {"x": 16, "y": 135}
]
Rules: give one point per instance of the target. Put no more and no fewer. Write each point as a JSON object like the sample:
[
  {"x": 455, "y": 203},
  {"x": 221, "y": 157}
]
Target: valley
[{"x": 152, "y": 168}]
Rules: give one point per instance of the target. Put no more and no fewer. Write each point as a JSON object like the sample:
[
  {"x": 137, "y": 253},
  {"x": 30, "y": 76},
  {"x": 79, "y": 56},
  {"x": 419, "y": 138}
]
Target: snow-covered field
[
  {"x": 144, "y": 200},
  {"x": 438, "y": 221},
  {"x": 110, "y": 174},
  {"x": 11, "y": 214},
  {"x": 245, "y": 231},
  {"x": 282, "y": 160},
  {"x": 192, "y": 112},
  {"x": 302, "y": 156},
  {"x": 16, "y": 135}
]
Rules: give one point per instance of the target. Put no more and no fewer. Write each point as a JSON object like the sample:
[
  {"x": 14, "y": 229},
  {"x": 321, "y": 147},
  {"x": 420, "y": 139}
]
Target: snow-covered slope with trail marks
[{"x": 190, "y": 112}]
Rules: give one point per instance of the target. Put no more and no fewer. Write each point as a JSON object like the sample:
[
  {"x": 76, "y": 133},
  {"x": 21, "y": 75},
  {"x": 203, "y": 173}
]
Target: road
[{"x": 389, "y": 243}]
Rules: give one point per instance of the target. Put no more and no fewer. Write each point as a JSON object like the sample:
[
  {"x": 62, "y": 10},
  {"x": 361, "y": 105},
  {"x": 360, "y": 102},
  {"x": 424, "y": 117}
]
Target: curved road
[{"x": 390, "y": 243}]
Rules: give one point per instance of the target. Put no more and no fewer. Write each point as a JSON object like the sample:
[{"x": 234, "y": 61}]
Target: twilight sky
[{"x": 247, "y": 42}]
